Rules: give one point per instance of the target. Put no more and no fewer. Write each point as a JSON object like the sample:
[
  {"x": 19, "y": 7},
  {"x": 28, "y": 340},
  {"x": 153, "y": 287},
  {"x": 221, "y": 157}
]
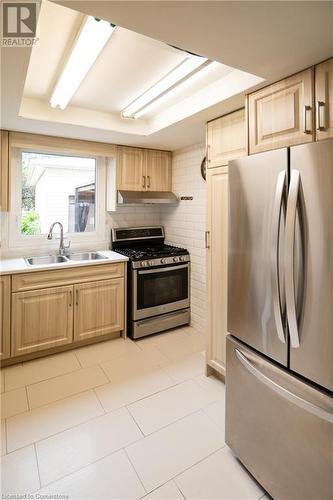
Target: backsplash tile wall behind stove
[{"x": 185, "y": 223}]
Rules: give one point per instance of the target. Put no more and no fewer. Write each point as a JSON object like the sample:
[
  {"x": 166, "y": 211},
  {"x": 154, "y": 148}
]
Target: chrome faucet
[{"x": 62, "y": 248}]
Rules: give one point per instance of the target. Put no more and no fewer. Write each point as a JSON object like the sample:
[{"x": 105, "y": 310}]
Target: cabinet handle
[
  {"x": 77, "y": 297},
  {"x": 306, "y": 108},
  {"x": 319, "y": 104},
  {"x": 207, "y": 234},
  {"x": 143, "y": 181},
  {"x": 148, "y": 181},
  {"x": 70, "y": 298}
]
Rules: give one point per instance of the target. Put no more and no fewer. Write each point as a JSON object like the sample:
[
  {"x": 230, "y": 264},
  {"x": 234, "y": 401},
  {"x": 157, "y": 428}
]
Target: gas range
[
  {"x": 149, "y": 256},
  {"x": 158, "y": 280}
]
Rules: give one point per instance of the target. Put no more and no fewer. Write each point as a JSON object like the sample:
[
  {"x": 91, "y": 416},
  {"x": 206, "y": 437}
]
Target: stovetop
[{"x": 150, "y": 252}]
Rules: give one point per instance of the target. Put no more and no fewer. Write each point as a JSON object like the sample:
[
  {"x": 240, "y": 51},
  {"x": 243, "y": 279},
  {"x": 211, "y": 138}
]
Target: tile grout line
[
  {"x": 37, "y": 463},
  {"x": 99, "y": 459},
  {"x": 135, "y": 422},
  {"x": 136, "y": 472}
]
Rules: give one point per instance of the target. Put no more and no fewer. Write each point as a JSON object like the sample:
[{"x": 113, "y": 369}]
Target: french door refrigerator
[{"x": 279, "y": 373}]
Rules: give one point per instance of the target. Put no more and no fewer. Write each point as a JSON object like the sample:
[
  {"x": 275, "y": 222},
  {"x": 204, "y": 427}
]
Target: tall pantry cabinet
[{"x": 226, "y": 140}]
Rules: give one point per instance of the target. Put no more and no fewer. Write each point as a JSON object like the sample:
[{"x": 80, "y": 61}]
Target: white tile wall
[
  {"x": 185, "y": 223},
  {"x": 137, "y": 215}
]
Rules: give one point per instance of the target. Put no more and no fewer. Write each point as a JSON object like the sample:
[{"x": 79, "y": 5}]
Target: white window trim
[{"x": 16, "y": 241}]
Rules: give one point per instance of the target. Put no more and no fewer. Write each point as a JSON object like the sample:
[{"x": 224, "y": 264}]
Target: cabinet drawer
[{"x": 69, "y": 276}]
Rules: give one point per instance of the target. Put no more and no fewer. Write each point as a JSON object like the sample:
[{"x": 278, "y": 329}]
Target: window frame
[{"x": 18, "y": 241}]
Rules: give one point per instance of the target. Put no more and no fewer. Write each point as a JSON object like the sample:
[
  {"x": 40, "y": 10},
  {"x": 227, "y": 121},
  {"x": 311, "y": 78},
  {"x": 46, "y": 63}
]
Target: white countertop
[{"x": 19, "y": 265}]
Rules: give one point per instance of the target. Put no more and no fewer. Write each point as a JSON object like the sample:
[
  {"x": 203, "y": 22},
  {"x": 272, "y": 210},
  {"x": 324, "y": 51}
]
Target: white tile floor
[{"x": 120, "y": 420}]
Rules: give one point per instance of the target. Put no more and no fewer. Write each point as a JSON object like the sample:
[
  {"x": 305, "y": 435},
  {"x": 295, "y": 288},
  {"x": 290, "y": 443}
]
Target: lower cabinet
[
  {"x": 41, "y": 319},
  {"x": 4, "y": 317},
  {"x": 54, "y": 308},
  {"x": 99, "y": 308},
  {"x": 217, "y": 266}
]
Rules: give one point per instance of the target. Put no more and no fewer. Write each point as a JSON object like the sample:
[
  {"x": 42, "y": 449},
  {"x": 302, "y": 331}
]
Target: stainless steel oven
[
  {"x": 160, "y": 290},
  {"x": 158, "y": 287}
]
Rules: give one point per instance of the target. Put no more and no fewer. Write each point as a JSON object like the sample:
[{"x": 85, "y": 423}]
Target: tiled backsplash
[
  {"x": 185, "y": 223},
  {"x": 127, "y": 216}
]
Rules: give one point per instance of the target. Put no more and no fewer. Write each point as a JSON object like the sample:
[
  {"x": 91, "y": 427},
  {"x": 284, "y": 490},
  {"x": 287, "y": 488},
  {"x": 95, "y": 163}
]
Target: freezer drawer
[{"x": 279, "y": 427}]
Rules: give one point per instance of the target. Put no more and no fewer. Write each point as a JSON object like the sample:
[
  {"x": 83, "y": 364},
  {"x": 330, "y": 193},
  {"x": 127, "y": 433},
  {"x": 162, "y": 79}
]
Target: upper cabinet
[
  {"x": 324, "y": 99},
  {"x": 143, "y": 169},
  {"x": 226, "y": 139},
  {"x": 282, "y": 114},
  {"x": 158, "y": 170},
  {"x": 131, "y": 169},
  {"x": 4, "y": 171}
]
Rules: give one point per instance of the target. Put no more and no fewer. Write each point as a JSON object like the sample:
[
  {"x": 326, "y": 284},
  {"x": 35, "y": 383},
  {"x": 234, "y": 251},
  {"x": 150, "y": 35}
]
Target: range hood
[{"x": 135, "y": 197}]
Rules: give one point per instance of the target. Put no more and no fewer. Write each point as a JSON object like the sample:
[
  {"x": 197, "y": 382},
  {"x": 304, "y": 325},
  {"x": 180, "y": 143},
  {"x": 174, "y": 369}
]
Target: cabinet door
[
  {"x": 99, "y": 308},
  {"x": 217, "y": 265},
  {"x": 4, "y": 171},
  {"x": 41, "y": 319},
  {"x": 226, "y": 139},
  {"x": 4, "y": 317},
  {"x": 131, "y": 169},
  {"x": 324, "y": 99},
  {"x": 158, "y": 170},
  {"x": 282, "y": 114}
]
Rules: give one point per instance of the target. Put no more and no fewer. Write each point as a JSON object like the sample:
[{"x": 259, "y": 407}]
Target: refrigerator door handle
[
  {"x": 289, "y": 257},
  {"x": 276, "y": 224},
  {"x": 282, "y": 391}
]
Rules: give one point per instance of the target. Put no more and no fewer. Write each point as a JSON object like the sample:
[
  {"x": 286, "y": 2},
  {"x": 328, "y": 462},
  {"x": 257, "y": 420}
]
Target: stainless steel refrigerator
[{"x": 279, "y": 368}]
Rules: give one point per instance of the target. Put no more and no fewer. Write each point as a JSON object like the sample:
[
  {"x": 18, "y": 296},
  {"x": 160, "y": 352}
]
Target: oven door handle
[{"x": 164, "y": 270}]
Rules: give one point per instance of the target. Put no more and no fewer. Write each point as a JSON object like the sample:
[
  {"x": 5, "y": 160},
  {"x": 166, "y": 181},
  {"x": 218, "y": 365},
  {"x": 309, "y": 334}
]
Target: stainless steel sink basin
[
  {"x": 44, "y": 260},
  {"x": 85, "y": 256}
]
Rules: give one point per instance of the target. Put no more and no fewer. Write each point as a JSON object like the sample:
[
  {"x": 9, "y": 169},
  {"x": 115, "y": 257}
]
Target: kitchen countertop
[{"x": 19, "y": 265}]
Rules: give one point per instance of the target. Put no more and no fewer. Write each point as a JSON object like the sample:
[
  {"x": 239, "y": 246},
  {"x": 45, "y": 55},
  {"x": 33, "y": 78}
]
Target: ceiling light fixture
[
  {"x": 191, "y": 68},
  {"x": 91, "y": 39}
]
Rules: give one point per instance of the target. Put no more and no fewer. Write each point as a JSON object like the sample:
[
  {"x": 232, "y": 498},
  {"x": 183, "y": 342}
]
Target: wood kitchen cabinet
[
  {"x": 65, "y": 306},
  {"x": 4, "y": 171},
  {"x": 217, "y": 267},
  {"x": 4, "y": 317},
  {"x": 41, "y": 319},
  {"x": 324, "y": 99},
  {"x": 158, "y": 164},
  {"x": 226, "y": 139},
  {"x": 131, "y": 169},
  {"x": 143, "y": 169},
  {"x": 99, "y": 308},
  {"x": 282, "y": 114}
]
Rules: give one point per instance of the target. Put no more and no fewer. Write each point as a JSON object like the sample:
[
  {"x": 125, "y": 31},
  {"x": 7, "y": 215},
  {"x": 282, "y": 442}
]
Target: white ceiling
[{"x": 254, "y": 36}]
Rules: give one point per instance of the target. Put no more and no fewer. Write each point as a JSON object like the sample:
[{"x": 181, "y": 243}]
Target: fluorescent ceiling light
[
  {"x": 191, "y": 68},
  {"x": 89, "y": 43}
]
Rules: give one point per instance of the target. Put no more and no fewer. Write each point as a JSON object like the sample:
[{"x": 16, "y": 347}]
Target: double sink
[{"x": 60, "y": 259}]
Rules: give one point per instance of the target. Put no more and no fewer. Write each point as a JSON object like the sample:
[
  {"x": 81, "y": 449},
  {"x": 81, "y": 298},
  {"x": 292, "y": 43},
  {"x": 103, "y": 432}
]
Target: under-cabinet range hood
[{"x": 135, "y": 197}]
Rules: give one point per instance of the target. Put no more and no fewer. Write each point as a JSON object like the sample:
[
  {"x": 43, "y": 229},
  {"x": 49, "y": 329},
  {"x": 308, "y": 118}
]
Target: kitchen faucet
[{"x": 62, "y": 248}]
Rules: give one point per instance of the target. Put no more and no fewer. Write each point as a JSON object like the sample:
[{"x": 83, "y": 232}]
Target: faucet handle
[{"x": 67, "y": 247}]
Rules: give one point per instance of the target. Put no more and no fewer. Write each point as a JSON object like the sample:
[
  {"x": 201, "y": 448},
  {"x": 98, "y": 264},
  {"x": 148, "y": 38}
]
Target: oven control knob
[
  {"x": 163, "y": 261},
  {"x": 143, "y": 264},
  {"x": 182, "y": 258},
  {"x": 150, "y": 263},
  {"x": 176, "y": 259}
]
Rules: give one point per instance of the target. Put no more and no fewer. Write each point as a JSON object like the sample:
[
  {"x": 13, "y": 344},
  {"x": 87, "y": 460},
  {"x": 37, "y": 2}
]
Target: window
[
  {"x": 52, "y": 187},
  {"x": 57, "y": 188}
]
